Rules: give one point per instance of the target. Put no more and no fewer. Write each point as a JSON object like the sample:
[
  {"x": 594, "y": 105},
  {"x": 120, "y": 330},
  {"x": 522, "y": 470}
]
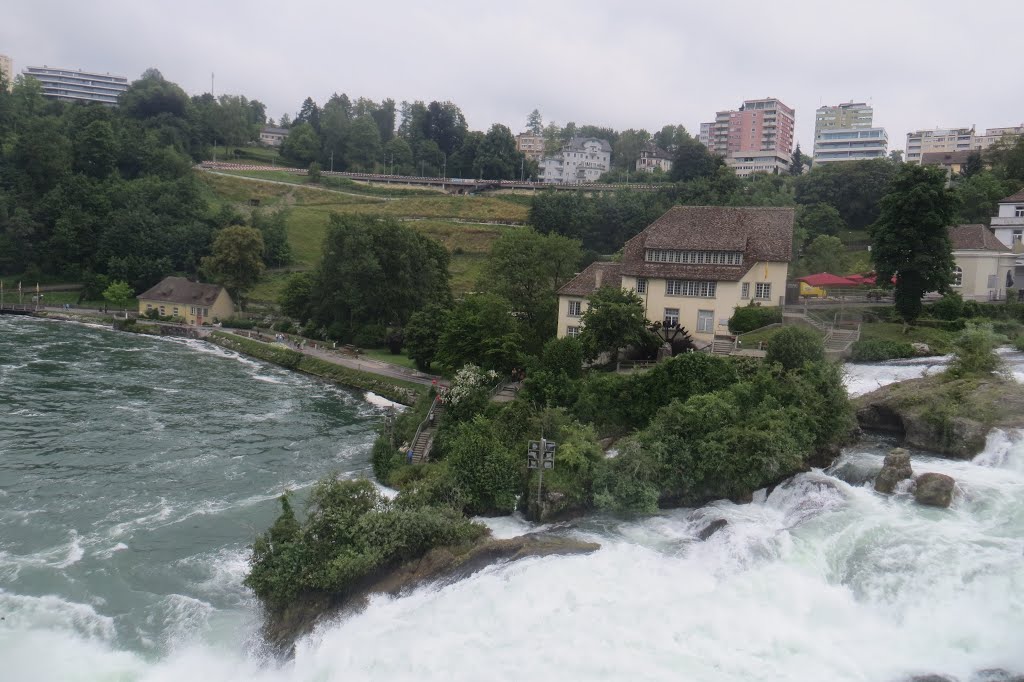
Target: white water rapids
[{"x": 820, "y": 580}]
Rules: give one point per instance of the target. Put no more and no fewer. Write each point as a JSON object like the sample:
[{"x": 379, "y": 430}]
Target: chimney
[{"x": 598, "y": 276}]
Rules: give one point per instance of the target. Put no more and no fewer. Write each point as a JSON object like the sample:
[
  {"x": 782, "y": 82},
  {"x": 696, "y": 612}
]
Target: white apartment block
[
  {"x": 78, "y": 86},
  {"x": 937, "y": 140},
  {"x": 993, "y": 135},
  {"x": 847, "y": 115},
  {"x": 707, "y": 134},
  {"x": 850, "y": 144},
  {"x": 748, "y": 163},
  {"x": 582, "y": 160}
]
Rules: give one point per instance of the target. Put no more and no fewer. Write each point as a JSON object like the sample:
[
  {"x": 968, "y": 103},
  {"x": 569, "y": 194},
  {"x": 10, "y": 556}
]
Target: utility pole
[
  {"x": 332, "y": 160},
  {"x": 540, "y": 455}
]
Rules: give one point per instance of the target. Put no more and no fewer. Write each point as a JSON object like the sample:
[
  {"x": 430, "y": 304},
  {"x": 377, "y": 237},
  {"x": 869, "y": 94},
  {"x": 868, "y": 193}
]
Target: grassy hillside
[{"x": 460, "y": 223}]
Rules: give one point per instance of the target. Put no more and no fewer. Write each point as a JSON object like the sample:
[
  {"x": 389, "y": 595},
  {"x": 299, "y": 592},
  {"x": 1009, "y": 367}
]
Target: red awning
[{"x": 827, "y": 279}]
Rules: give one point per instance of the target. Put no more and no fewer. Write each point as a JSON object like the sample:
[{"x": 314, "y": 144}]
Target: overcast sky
[{"x": 922, "y": 64}]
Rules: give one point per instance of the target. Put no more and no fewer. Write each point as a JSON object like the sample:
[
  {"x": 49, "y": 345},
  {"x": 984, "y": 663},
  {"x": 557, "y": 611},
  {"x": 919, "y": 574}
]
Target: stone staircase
[
  {"x": 424, "y": 438},
  {"x": 722, "y": 347},
  {"x": 505, "y": 393},
  {"x": 840, "y": 340}
]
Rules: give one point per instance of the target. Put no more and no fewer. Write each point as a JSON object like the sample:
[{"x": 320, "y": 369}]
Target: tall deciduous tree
[
  {"x": 481, "y": 330},
  {"x": 692, "y": 160},
  {"x": 422, "y": 333},
  {"x": 302, "y": 144},
  {"x": 910, "y": 239},
  {"x": 118, "y": 294},
  {"x": 614, "y": 320},
  {"x": 825, "y": 254},
  {"x": 535, "y": 122},
  {"x": 497, "y": 157},
  {"x": 237, "y": 259},
  {"x": 363, "y": 150},
  {"x": 853, "y": 188}
]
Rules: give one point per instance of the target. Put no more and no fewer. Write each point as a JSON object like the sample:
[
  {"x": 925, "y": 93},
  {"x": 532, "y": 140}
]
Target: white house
[
  {"x": 984, "y": 265},
  {"x": 582, "y": 160},
  {"x": 652, "y": 156},
  {"x": 1008, "y": 228},
  {"x": 273, "y": 137}
]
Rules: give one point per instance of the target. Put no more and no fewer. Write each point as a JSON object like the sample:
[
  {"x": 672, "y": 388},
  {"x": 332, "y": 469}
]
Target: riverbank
[{"x": 398, "y": 390}]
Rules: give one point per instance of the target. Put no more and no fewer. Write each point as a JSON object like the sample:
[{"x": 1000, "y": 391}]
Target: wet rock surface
[
  {"x": 934, "y": 490},
  {"x": 895, "y": 468}
]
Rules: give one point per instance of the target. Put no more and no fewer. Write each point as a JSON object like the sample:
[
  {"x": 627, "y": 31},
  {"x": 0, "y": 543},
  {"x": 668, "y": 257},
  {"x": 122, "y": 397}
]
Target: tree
[
  {"x": 313, "y": 172},
  {"x": 535, "y": 123},
  {"x": 896, "y": 156},
  {"x": 614, "y": 320},
  {"x": 978, "y": 196},
  {"x": 818, "y": 219},
  {"x": 481, "y": 330},
  {"x": 95, "y": 150},
  {"x": 497, "y": 157},
  {"x": 309, "y": 113},
  {"x": 670, "y": 137},
  {"x": 794, "y": 345},
  {"x": 910, "y": 239},
  {"x": 398, "y": 157},
  {"x": 237, "y": 259},
  {"x": 692, "y": 160},
  {"x": 526, "y": 269},
  {"x": 274, "y": 228},
  {"x": 363, "y": 150},
  {"x": 825, "y": 254},
  {"x": 118, "y": 294},
  {"x": 296, "y": 295},
  {"x": 153, "y": 95},
  {"x": 422, "y": 332},
  {"x": 796, "y": 167},
  {"x": 973, "y": 165},
  {"x": 853, "y": 188},
  {"x": 302, "y": 144},
  {"x": 627, "y": 148}
]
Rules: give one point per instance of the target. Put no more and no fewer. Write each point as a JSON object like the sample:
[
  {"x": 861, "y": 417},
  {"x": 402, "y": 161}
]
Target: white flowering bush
[{"x": 468, "y": 382}]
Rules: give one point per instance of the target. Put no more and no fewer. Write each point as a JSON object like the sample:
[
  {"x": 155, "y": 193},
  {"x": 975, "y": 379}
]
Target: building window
[
  {"x": 149, "y": 306},
  {"x": 763, "y": 291},
  {"x": 745, "y": 291},
  {"x": 1019, "y": 211},
  {"x": 641, "y": 285},
  {"x": 958, "y": 276},
  {"x": 991, "y": 281},
  {"x": 685, "y": 287},
  {"x": 572, "y": 332},
  {"x": 1018, "y": 235},
  {"x": 705, "y": 321},
  {"x": 671, "y": 317},
  {"x": 193, "y": 310},
  {"x": 175, "y": 311},
  {"x": 574, "y": 308},
  {"x": 162, "y": 312}
]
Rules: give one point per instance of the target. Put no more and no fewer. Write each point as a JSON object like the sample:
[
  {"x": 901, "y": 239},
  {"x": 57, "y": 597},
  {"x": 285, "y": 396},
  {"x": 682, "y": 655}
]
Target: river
[{"x": 134, "y": 471}]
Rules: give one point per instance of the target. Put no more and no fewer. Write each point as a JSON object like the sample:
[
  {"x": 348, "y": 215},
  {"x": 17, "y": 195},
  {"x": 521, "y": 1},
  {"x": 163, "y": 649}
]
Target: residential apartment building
[
  {"x": 757, "y": 135},
  {"x": 937, "y": 140},
  {"x": 7, "y": 70},
  {"x": 993, "y": 135},
  {"x": 531, "y": 145},
  {"x": 273, "y": 137},
  {"x": 847, "y": 115},
  {"x": 850, "y": 144},
  {"x": 707, "y": 134},
  {"x": 582, "y": 160},
  {"x": 78, "y": 86},
  {"x": 692, "y": 267},
  {"x": 652, "y": 156}
]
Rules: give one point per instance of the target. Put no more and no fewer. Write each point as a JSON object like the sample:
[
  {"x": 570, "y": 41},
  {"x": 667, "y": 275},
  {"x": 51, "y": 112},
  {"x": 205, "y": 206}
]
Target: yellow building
[
  {"x": 692, "y": 267},
  {"x": 984, "y": 267},
  {"x": 193, "y": 302}
]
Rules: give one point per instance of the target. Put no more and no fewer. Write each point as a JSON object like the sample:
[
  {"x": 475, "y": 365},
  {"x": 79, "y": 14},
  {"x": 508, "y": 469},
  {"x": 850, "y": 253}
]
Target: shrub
[
  {"x": 748, "y": 318},
  {"x": 971, "y": 309},
  {"x": 484, "y": 468},
  {"x": 285, "y": 327},
  {"x": 877, "y": 350},
  {"x": 370, "y": 336},
  {"x": 351, "y": 532},
  {"x": 974, "y": 351},
  {"x": 237, "y": 323},
  {"x": 949, "y": 307},
  {"x": 793, "y": 346},
  {"x": 1019, "y": 343}
]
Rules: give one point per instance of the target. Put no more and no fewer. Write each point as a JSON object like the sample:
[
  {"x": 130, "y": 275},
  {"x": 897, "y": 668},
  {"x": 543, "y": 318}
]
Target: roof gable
[
  {"x": 1013, "y": 198},
  {"x": 182, "y": 291},
  {"x": 595, "y": 275},
  {"x": 764, "y": 234},
  {"x": 975, "y": 238}
]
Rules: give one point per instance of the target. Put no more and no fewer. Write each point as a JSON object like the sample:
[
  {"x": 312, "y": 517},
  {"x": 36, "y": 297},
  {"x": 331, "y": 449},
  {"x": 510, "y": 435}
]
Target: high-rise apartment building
[
  {"x": 850, "y": 144},
  {"x": 7, "y": 69},
  {"x": 757, "y": 137},
  {"x": 937, "y": 140},
  {"x": 707, "y": 133},
  {"x": 847, "y": 115},
  {"x": 993, "y": 135},
  {"x": 78, "y": 86}
]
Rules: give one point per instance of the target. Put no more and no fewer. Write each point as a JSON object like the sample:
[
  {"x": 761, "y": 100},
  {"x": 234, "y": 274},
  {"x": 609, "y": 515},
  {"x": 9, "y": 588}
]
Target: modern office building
[
  {"x": 78, "y": 86},
  {"x": 758, "y": 135},
  {"x": 7, "y": 69},
  {"x": 937, "y": 140},
  {"x": 849, "y": 144},
  {"x": 847, "y": 115}
]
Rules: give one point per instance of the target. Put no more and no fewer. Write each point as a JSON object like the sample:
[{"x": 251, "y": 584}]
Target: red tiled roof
[
  {"x": 1019, "y": 196},
  {"x": 182, "y": 291}
]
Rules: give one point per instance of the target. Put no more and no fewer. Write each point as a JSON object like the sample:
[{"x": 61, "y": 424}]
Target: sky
[{"x": 921, "y": 64}]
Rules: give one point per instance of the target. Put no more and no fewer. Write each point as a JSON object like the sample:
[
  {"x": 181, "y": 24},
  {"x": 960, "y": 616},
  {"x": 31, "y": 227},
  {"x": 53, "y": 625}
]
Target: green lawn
[{"x": 384, "y": 355}]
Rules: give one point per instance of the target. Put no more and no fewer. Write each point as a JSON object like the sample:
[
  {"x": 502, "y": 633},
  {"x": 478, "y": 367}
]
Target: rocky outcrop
[
  {"x": 442, "y": 565},
  {"x": 934, "y": 490},
  {"x": 944, "y": 415},
  {"x": 712, "y": 528},
  {"x": 895, "y": 468}
]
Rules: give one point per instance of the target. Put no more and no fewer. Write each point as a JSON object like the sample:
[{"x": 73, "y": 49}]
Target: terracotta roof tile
[
  {"x": 586, "y": 282},
  {"x": 975, "y": 238},
  {"x": 1019, "y": 196},
  {"x": 182, "y": 291}
]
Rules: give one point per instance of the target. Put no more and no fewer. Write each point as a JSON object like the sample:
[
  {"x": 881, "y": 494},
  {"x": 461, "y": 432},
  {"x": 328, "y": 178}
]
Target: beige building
[
  {"x": 7, "y": 70},
  {"x": 992, "y": 135},
  {"x": 849, "y": 115},
  {"x": 922, "y": 142},
  {"x": 531, "y": 145},
  {"x": 984, "y": 265},
  {"x": 193, "y": 302},
  {"x": 692, "y": 267},
  {"x": 272, "y": 136}
]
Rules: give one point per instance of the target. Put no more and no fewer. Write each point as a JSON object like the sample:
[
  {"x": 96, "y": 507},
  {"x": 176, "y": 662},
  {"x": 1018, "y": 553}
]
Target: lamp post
[{"x": 540, "y": 455}]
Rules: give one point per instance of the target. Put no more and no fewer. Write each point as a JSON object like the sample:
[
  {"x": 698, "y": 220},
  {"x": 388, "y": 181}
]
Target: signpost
[{"x": 540, "y": 455}]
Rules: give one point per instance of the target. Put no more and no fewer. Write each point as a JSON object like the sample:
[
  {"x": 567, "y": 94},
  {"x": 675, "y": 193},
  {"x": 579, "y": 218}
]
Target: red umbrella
[{"x": 827, "y": 279}]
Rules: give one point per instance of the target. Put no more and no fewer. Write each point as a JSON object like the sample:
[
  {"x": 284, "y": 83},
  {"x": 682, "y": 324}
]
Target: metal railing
[{"x": 427, "y": 421}]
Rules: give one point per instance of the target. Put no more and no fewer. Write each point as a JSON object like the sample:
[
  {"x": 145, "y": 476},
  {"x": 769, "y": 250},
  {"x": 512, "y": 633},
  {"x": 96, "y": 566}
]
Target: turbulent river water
[{"x": 134, "y": 472}]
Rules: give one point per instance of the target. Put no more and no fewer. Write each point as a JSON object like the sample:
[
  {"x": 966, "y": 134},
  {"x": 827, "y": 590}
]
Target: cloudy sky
[{"x": 922, "y": 64}]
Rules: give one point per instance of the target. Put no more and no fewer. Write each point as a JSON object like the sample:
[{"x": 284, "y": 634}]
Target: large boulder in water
[
  {"x": 895, "y": 468},
  {"x": 935, "y": 490}
]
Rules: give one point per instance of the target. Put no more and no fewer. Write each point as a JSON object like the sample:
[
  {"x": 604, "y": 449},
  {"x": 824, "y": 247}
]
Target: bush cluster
[
  {"x": 748, "y": 318},
  {"x": 877, "y": 350}
]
